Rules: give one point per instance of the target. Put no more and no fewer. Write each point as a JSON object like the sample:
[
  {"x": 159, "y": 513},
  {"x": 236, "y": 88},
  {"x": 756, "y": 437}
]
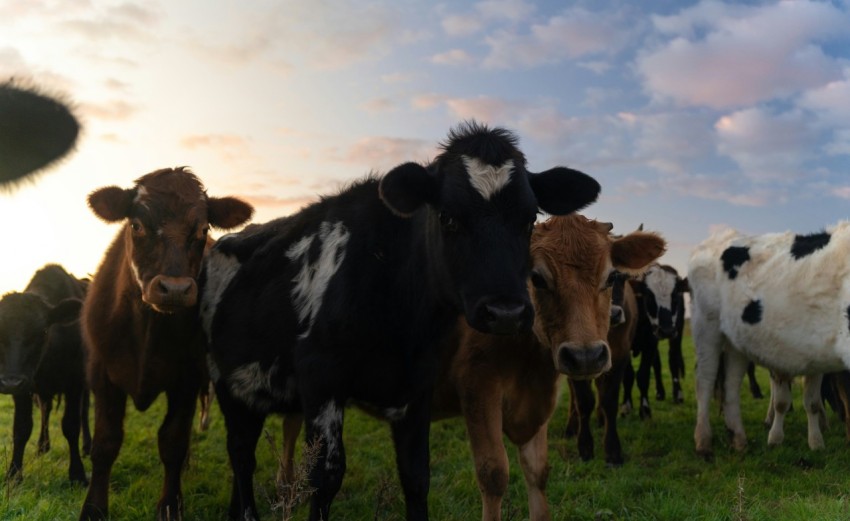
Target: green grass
[{"x": 662, "y": 479}]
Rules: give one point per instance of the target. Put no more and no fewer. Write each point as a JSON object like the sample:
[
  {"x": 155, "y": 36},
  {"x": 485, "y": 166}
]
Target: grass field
[{"x": 662, "y": 478}]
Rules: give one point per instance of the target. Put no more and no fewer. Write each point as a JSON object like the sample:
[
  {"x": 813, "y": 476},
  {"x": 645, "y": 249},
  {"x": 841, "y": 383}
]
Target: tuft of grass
[{"x": 662, "y": 478}]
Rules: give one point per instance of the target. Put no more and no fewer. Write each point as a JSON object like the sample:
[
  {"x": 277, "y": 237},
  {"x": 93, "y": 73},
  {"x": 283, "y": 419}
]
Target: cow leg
[
  {"x": 572, "y": 415},
  {"x": 71, "y": 430},
  {"x": 736, "y": 366},
  {"x": 45, "y": 404},
  {"x": 410, "y": 436},
  {"x": 21, "y": 432},
  {"x": 647, "y": 361},
  {"x": 324, "y": 426},
  {"x": 483, "y": 417},
  {"x": 173, "y": 439},
  {"x": 841, "y": 381},
  {"x": 814, "y": 409},
  {"x": 780, "y": 403},
  {"x": 586, "y": 404},
  {"x": 708, "y": 342},
  {"x": 205, "y": 397},
  {"x": 608, "y": 386},
  {"x": 677, "y": 368},
  {"x": 755, "y": 390},
  {"x": 243, "y": 432},
  {"x": 660, "y": 393},
  {"x": 109, "y": 409},
  {"x": 533, "y": 457},
  {"x": 628, "y": 381},
  {"x": 85, "y": 402},
  {"x": 291, "y": 428}
]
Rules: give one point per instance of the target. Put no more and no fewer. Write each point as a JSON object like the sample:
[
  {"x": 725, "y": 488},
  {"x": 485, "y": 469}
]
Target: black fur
[
  {"x": 733, "y": 258},
  {"x": 807, "y": 244}
]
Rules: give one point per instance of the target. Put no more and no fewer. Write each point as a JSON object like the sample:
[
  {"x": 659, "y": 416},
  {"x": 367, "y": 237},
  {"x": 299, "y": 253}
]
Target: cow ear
[
  {"x": 562, "y": 190},
  {"x": 228, "y": 212},
  {"x": 632, "y": 253},
  {"x": 405, "y": 188},
  {"x": 111, "y": 203},
  {"x": 65, "y": 311}
]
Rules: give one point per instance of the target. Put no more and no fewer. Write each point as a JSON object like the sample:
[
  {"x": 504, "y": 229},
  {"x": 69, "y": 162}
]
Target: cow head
[
  {"x": 24, "y": 322},
  {"x": 575, "y": 262},
  {"x": 168, "y": 216},
  {"x": 481, "y": 204},
  {"x": 661, "y": 289}
]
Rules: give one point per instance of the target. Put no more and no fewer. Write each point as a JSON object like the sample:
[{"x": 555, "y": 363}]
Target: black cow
[
  {"x": 661, "y": 315},
  {"x": 41, "y": 355},
  {"x": 35, "y": 130},
  {"x": 346, "y": 301}
]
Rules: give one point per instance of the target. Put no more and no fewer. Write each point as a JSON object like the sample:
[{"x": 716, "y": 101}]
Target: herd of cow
[{"x": 428, "y": 292}]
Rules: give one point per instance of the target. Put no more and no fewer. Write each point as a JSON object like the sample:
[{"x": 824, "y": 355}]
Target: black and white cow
[
  {"x": 346, "y": 301},
  {"x": 661, "y": 315},
  {"x": 779, "y": 299},
  {"x": 42, "y": 356}
]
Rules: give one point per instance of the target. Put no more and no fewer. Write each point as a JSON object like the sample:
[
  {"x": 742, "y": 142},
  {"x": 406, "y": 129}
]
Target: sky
[{"x": 691, "y": 114}]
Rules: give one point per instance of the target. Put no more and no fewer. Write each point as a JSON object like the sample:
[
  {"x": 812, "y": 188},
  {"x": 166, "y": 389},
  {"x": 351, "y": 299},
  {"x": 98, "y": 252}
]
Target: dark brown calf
[{"x": 140, "y": 319}]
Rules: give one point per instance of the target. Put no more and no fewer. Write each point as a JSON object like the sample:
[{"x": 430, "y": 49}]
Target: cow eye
[
  {"x": 448, "y": 222},
  {"x": 137, "y": 227},
  {"x": 538, "y": 280}
]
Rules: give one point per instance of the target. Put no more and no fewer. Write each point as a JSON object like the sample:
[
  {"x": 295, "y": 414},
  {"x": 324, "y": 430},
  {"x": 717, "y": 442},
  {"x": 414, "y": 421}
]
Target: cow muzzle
[
  {"x": 501, "y": 316},
  {"x": 617, "y": 316},
  {"x": 583, "y": 361},
  {"x": 171, "y": 294},
  {"x": 15, "y": 383}
]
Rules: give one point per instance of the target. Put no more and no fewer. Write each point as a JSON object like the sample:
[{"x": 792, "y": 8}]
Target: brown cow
[
  {"x": 509, "y": 384},
  {"x": 620, "y": 337},
  {"x": 140, "y": 319}
]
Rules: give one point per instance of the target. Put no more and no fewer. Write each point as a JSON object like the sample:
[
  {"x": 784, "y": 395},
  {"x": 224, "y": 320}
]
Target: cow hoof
[
  {"x": 757, "y": 394},
  {"x": 660, "y": 396},
  {"x": 645, "y": 413},
  {"x": 614, "y": 462},
  {"x": 706, "y": 454},
  {"x": 626, "y": 409},
  {"x": 678, "y": 397},
  {"x": 92, "y": 513},
  {"x": 79, "y": 479}
]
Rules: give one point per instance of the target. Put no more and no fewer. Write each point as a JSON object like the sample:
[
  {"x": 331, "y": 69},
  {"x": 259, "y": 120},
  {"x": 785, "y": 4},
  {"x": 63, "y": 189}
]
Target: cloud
[
  {"x": 831, "y": 101},
  {"x": 115, "y": 110},
  {"x": 767, "y": 147},
  {"x": 454, "y": 57},
  {"x": 378, "y": 105},
  {"x": 278, "y": 202},
  {"x": 575, "y": 33},
  {"x": 228, "y": 146},
  {"x": 842, "y": 192},
  {"x": 729, "y": 56},
  {"x": 382, "y": 153},
  {"x": 427, "y": 101},
  {"x": 488, "y": 11},
  {"x": 120, "y": 22}
]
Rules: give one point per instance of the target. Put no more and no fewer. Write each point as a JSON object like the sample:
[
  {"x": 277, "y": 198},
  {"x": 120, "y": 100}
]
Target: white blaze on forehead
[
  {"x": 141, "y": 196},
  {"x": 313, "y": 279},
  {"x": 488, "y": 179},
  {"x": 328, "y": 424},
  {"x": 662, "y": 283},
  {"x": 221, "y": 269}
]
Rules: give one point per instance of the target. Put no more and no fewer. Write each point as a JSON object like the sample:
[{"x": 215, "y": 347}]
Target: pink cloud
[
  {"x": 455, "y": 57},
  {"x": 748, "y": 54}
]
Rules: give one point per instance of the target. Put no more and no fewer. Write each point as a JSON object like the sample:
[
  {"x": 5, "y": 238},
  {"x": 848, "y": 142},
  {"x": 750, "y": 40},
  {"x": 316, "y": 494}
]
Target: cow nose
[
  {"x": 617, "y": 316},
  {"x": 584, "y": 361},
  {"x": 12, "y": 383},
  {"x": 173, "y": 291},
  {"x": 503, "y": 316}
]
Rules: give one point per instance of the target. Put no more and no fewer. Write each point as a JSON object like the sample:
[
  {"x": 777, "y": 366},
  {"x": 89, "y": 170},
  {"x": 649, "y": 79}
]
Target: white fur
[
  {"x": 136, "y": 275},
  {"x": 488, "y": 179},
  {"x": 804, "y": 325},
  {"x": 246, "y": 383},
  {"x": 662, "y": 283},
  {"x": 221, "y": 269},
  {"x": 313, "y": 279},
  {"x": 329, "y": 425}
]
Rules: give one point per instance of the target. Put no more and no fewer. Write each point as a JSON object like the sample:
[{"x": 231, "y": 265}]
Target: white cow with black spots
[{"x": 779, "y": 299}]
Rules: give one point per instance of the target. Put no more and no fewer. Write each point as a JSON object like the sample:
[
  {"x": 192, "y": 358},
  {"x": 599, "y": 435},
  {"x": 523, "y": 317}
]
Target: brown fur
[{"x": 142, "y": 334}]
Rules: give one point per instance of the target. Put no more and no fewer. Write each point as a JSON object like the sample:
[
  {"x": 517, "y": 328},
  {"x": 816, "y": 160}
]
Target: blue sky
[{"x": 692, "y": 114}]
